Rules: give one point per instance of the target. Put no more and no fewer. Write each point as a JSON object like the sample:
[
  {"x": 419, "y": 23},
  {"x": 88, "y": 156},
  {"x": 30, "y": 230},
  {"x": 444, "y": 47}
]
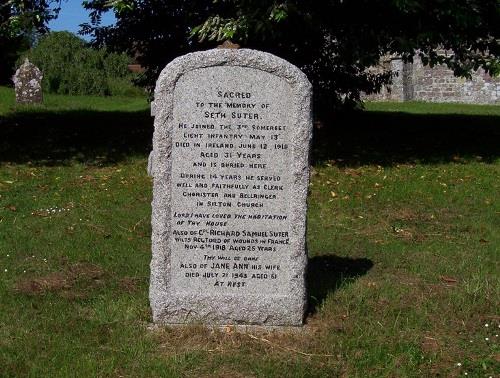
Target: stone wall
[
  {"x": 416, "y": 82},
  {"x": 394, "y": 92}
]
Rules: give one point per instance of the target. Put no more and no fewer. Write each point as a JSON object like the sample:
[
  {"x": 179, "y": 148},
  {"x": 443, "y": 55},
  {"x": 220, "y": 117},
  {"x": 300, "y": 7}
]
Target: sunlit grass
[{"x": 402, "y": 235}]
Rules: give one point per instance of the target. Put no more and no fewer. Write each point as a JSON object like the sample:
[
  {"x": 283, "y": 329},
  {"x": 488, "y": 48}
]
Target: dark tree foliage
[
  {"x": 154, "y": 32},
  {"x": 333, "y": 41},
  {"x": 21, "y": 21}
]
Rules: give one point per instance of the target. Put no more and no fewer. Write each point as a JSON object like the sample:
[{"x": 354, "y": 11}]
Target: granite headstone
[
  {"x": 231, "y": 173},
  {"x": 28, "y": 84}
]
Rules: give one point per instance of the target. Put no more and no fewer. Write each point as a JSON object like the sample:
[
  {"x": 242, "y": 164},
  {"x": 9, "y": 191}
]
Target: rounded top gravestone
[
  {"x": 230, "y": 163},
  {"x": 28, "y": 83}
]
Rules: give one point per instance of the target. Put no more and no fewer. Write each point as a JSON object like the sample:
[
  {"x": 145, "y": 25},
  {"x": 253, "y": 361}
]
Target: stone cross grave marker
[
  {"x": 231, "y": 173},
  {"x": 28, "y": 84}
]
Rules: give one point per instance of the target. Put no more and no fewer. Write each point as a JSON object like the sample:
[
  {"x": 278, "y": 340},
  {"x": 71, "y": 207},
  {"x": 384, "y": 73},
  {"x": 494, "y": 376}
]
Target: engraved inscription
[{"x": 231, "y": 182}]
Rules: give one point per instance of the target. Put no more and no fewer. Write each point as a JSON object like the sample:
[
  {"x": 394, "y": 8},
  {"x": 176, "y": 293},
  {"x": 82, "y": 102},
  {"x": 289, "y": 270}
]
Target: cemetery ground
[{"x": 403, "y": 238}]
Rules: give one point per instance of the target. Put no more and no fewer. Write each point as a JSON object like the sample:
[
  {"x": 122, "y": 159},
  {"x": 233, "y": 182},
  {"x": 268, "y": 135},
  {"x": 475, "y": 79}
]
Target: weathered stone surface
[
  {"x": 438, "y": 84},
  {"x": 28, "y": 84},
  {"x": 230, "y": 167},
  {"x": 417, "y": 82}
]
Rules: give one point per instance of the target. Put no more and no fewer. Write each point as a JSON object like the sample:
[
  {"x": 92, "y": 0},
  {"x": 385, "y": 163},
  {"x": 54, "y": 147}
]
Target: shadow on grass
[
  {"x": 328, "y": 273},
  {"x": 384, "y": 138},
  {"x": 90, "y": 137},
  {"x": 389, "y": 138}
]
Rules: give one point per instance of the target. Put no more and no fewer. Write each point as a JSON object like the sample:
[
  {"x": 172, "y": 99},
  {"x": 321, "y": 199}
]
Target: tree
[
  {"x": 333, "y": 41},
  {"x": 20, "y": 22},
  {"x": 154, "y": 32},
  {"x": 71, "y": 67}
]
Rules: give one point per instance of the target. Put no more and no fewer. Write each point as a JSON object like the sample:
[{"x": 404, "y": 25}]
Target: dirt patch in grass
[
  {"x": 51, "y": 282},
  {"x": 129, "y": 284},
  {"x": 70, "y": 283},
  {"x": 430, "y": 345},
  {"x": 181, "y": 339},
  {"x": 226, "y": 340},
  {"x": 284, "y": 347},
  {"x": 304, "y": 347},
  {"x": 226, "y": 372}
]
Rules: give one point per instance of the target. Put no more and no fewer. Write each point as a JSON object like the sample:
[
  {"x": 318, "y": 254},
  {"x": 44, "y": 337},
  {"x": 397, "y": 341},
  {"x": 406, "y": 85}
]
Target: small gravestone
[
  {"x": 28, "y": 84},
  {"x": 231, "y": 173}
]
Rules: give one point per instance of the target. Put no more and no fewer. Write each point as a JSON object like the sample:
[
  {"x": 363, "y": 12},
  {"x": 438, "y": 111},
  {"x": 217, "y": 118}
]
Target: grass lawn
[{"x": 403, "y": 235}]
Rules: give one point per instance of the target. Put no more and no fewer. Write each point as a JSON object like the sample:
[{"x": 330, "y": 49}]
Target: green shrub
[
  {"x": 69, "y": 66},
  {"x": 122, "y": 86}
]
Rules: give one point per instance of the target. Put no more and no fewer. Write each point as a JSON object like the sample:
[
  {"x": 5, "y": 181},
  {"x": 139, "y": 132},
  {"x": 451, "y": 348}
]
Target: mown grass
[
  {"x": 402, "y": 232},
  {"x": 58, "y": 103}
]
